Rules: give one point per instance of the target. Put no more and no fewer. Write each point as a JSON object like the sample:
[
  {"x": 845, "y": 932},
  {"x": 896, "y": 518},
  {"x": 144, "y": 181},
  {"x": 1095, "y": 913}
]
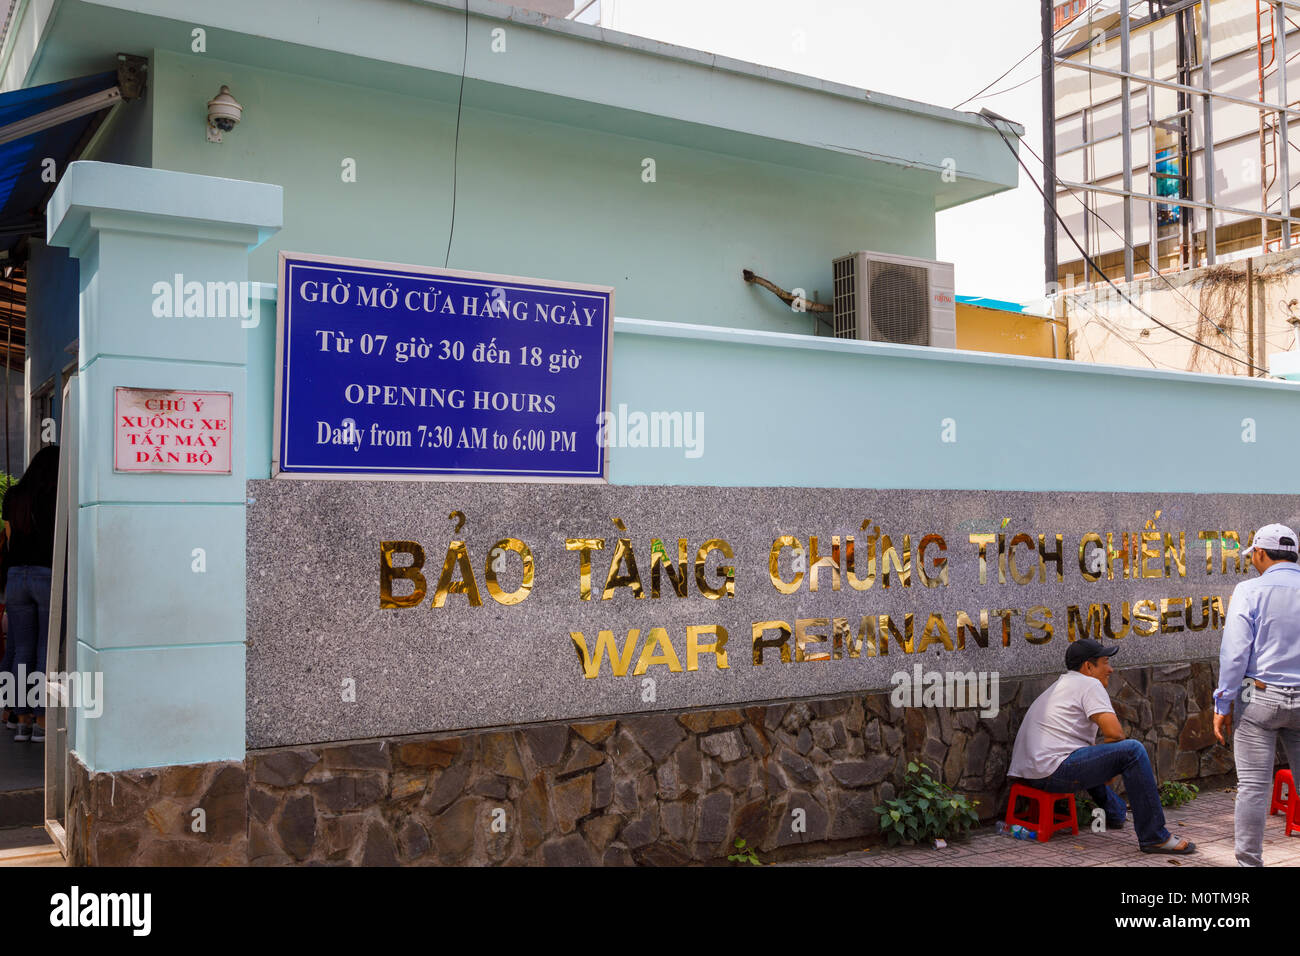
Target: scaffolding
[{"x": 1177, "y": 96}]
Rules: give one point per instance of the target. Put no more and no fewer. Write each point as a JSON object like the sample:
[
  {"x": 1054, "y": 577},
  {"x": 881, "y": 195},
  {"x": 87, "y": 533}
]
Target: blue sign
[{"x": 393, "y": 370}]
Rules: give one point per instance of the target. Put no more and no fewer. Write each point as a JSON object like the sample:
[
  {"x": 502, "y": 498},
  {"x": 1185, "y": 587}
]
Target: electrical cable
[
  {"x": 1036, "y": 48},
  {"x": 1155, "y": 270},
  {"x": 1145, "y": 258},
  {"x": 1118, "y": 333},
  {"x": 1097, "y": 320},
  {"x": 1102, "y": 320},
  {"x": 1091, "y": 354},
  {"x": 1000, "y": 78},
  {"x": 1122, "y": 335},
  {"x": 1088, "y": 258},
  {"x": 455, "y": 150},
  {"x": 985, "y": 96}
]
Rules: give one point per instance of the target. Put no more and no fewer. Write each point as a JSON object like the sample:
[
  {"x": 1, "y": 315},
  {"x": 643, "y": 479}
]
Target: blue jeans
[
  {"x": 1088, "y": 768},
  {"x": 27, "y": 601},
  {"x": 1270, "y": 714}
]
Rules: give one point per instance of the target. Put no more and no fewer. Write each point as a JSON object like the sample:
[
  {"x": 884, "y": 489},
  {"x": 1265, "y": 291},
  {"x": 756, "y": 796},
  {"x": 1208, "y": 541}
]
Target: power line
[
  {"x": 1091, "y": 354},
  {"x": 1000, "y": 78},
  {"x": 985, "y": 96},
  {"x": 1118, "y": 333},
  {"x": 1113, "y": 333},
  {"x": 1036, "y": 48},
  {"x": 455, "y": 150},
  {"x": 1093, "y": 264},
  {"x": 982, "y": 94},
  {"x": 1099, "y": 319},
  {"x": 1151, "y": 243},
  {"x": 1145, "y": 257}
]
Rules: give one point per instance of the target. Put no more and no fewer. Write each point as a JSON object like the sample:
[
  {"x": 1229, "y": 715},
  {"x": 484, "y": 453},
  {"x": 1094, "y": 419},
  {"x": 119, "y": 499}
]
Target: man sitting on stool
[{"x": 1056, "y": 748}]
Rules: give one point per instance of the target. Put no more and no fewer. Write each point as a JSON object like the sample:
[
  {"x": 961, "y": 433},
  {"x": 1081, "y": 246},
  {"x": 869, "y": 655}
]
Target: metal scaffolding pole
[
  {"x": 1049, "y": 145},
  {"x": 1126, "y": 129},
  {"x": 1264, "y": 126},
  {"x": 1184, "y": 28},
  {"x": 1207, "y": 155},
  {"x": 1177, "y": 87},
  {"x": 1284, "y": 150},
  {"x": 1168, "y": 200},
  {"x": 1192, "y": 90},
  {"x": 1153, "y": 182},
  {"x": 1275, "y": 115}
]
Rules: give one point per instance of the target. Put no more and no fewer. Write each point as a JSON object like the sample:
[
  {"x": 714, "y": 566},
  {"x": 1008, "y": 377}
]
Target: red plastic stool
[
  {"x": 1290, "y": 805},
  {"x": 1048, "y": 821},
  {"x": 1280, "y": 778}
]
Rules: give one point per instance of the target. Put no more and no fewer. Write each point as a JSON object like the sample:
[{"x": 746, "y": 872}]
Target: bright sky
[{"x": 938, "y": 52}]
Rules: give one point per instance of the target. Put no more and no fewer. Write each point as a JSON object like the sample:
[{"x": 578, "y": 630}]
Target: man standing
[
  {"x": 1056, "y": 748},
  {"x": 1261, "y": 643}
]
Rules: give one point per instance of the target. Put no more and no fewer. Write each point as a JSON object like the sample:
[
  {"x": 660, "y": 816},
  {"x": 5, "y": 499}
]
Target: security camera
[{"x": 224, "y": 112}]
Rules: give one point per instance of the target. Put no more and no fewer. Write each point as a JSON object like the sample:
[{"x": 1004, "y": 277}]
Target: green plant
[
  {"x": 6, "y": 482},
  {"x": 1083, "y": 807},
  {"x": 744, "y": 854},
  {"x": 926, "y": 810},
  {"x": 1174, "y": 793}
]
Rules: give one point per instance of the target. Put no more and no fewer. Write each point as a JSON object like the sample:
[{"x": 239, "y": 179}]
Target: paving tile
[
  {"x": 1207, "y": 821},
  {"x": 956, "y": 853}
]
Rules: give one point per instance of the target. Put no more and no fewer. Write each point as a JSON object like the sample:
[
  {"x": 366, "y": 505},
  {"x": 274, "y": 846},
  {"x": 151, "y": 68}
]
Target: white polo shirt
[{"x": 1057, "y": 724}]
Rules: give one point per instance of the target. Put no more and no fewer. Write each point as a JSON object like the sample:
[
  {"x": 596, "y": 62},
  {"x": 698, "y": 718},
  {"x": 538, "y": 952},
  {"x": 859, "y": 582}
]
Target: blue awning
[
  {"x": 1002, "y": 305},
  {"x": 23, "y": 188}
]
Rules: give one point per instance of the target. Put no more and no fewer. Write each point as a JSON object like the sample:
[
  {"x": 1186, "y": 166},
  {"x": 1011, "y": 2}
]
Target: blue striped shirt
[{"x": 1261, "y": 638}]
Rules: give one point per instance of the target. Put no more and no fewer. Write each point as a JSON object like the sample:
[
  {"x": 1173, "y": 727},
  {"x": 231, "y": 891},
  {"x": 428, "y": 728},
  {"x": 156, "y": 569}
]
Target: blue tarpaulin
[{"x": 22, "y": 161}]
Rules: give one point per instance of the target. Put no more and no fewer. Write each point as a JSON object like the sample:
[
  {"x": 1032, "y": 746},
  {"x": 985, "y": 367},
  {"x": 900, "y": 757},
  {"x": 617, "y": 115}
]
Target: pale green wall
[
  {"x": 127, "y": 135},
  {"x": 171, "y": 652},
  {"x": 534, "y": 199}
]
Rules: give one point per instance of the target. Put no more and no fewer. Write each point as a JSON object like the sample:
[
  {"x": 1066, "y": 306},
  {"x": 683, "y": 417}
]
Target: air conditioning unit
[{"x": 886, "y": 298}]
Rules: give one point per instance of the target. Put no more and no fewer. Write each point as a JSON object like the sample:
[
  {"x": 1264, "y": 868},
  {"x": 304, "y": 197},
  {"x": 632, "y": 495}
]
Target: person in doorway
[
  {"x": 28, "y": 512},
  {"x": 1056, "y": 749},
  {"x": 1261, "y": 649}
]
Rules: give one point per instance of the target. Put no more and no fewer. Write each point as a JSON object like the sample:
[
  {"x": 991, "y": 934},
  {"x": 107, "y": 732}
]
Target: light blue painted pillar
[{"x": 168, "y": 639}]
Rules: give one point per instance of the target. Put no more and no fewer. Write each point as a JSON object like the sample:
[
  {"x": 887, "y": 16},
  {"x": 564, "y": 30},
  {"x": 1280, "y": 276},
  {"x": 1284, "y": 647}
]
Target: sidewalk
[
  {"x": 1206, "y": 821},
  {"x": 28, "y": 846},
  {"x": 22, "y": 781}
]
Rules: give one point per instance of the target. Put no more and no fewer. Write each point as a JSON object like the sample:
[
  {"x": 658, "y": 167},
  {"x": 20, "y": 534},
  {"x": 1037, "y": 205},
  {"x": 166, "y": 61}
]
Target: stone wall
[
  {"x": 147, "y": 818},
  {"x": 652, "y": 789}
]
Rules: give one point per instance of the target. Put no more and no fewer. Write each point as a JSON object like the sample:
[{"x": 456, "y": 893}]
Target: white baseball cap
[{"x": 1274, "y": 537}]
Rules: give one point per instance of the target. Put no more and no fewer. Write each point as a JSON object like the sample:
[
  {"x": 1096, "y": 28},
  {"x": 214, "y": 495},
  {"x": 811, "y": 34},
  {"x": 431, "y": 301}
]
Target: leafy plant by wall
[{"x": 926, "y": 810}]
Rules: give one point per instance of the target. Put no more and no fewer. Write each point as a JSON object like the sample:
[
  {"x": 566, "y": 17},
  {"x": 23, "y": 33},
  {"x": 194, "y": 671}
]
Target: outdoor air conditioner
[{"x": 885, "y": 298}]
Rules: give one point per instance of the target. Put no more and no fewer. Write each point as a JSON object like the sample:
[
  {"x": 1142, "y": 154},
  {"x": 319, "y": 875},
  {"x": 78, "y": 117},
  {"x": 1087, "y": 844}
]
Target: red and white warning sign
[{"x": 171, "y": 431}]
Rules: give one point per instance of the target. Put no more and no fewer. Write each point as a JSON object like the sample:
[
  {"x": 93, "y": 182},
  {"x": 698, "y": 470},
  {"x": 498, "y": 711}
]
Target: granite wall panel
[{"x": 893, "y": 580}]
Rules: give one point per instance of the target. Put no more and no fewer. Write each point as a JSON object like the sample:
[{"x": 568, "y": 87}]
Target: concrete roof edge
[{"x": 503, "y": 11}]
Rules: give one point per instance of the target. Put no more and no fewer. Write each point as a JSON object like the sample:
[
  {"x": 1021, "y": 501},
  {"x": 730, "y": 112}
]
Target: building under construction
[{"x": 1171, "y": 128}]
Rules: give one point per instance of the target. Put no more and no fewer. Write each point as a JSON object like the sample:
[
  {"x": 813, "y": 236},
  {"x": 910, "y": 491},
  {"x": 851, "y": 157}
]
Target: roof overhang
[{"x": 554, "y": 70}]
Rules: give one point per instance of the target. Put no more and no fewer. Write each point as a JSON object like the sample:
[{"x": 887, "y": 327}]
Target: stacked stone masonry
[{"x": 661, "y": 789}]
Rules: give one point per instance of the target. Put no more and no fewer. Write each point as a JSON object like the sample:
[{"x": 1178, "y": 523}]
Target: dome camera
[{"x": 224, "y": 113}]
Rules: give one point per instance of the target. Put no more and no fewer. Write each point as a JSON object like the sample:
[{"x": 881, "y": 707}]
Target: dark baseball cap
[{"x": 1084, "y": 650}]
